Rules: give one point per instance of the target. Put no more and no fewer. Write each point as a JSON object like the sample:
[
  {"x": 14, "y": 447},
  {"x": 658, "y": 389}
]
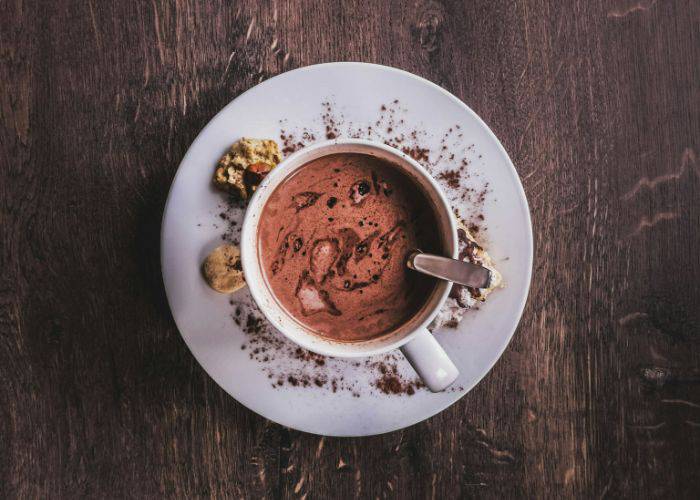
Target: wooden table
[{"x": 598, "y": 104}]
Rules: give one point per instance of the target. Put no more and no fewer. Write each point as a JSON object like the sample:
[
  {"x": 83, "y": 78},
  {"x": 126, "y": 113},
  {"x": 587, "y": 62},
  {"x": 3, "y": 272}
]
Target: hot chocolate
[{"x": 333, "y": 241}]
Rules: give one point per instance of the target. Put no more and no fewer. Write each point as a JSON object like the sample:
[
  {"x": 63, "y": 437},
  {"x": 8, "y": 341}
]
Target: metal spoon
[{"x": 457, "y": 271}]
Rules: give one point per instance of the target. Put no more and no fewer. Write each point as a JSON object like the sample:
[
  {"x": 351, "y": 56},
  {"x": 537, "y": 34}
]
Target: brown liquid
[{"x": 333, "y": 241}]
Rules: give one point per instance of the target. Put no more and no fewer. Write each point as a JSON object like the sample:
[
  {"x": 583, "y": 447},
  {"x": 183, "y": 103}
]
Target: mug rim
[{"x": 254, "y": 274}]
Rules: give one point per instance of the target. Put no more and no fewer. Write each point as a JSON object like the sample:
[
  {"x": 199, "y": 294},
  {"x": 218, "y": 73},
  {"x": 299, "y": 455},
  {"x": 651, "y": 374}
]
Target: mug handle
[{"x": 430, "y": 361}]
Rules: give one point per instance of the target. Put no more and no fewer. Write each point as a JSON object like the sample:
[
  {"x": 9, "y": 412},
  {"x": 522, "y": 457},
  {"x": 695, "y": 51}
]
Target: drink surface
[{"x": 333, "y": 241}]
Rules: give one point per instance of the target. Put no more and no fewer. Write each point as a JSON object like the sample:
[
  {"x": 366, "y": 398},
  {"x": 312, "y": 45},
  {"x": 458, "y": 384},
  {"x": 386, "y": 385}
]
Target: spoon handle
[{"x": 457, "y": 271}]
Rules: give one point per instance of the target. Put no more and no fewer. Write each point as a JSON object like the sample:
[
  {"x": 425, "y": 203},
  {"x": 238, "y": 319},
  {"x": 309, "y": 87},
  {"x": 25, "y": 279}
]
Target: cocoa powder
[{"x": 288, "y": 365}]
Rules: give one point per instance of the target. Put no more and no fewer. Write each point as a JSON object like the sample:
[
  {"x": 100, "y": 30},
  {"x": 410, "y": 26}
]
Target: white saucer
[{"x": 192, "y": 226}]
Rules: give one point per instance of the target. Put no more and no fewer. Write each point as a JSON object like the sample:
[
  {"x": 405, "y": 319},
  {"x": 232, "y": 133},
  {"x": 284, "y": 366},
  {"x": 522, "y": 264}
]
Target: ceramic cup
[{"x": 417, "y": 344}]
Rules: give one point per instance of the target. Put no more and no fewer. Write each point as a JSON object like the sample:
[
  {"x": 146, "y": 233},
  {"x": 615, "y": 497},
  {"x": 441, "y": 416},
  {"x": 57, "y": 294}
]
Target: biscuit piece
[
  {"x": 462, "y": 297},
  {"x": 222, "y": 269},
  {"x": 230, "y": 173},
  {"x": 469, "y": 250}
]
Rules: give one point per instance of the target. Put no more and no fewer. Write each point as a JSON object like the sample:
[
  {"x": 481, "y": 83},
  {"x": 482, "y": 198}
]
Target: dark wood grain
[{"x": 598, "y": 104}]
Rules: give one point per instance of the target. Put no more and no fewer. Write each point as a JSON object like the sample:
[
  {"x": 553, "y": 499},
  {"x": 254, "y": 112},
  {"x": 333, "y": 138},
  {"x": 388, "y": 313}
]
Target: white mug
[{"x": 413, "y": 338}]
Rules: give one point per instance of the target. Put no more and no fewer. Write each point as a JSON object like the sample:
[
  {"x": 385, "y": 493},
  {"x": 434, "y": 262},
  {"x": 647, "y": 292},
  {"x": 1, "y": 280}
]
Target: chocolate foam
[{"x": 333, "y": 240}]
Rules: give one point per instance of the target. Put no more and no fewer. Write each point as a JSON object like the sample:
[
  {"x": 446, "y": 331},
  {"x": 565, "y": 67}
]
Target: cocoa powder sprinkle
[{"x": 287, "y": 365}]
